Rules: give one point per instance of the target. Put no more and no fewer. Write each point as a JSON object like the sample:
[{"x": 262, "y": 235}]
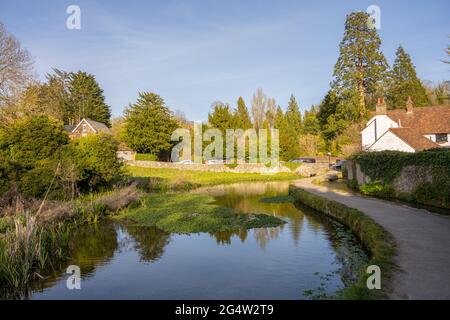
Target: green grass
[
  {"x": 378, "y": 241},
  {"x": 192, "y": 213},
  {"x": 204, "y": 178},
  {"x": 292, "y": 165},
  {"x": 146, "y": 157}
]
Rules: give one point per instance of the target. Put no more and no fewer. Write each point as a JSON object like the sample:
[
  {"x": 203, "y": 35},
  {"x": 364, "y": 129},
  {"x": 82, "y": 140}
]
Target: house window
[
  {"x": 441, "y": 137},
  {"x": 84, "y": 129}
]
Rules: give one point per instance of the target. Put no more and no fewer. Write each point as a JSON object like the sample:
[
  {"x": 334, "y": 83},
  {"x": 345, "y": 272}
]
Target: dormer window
[{"x": 441, "y": 138}]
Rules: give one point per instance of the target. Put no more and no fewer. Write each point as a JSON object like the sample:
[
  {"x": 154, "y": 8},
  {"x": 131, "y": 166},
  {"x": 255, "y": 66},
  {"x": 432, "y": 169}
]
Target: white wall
[
  {"x": 382, "y": 123},
  {"x": 390, "y": 141}
]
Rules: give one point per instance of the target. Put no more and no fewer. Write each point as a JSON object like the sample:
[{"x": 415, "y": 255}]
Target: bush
[
  {"x": 95, "y": 161},
  {"x": 35, "y": 182},
  {"x": 33, "y": 139},
  {"x": 377, "y": 189},
  {"x": 29, "y": 152}
]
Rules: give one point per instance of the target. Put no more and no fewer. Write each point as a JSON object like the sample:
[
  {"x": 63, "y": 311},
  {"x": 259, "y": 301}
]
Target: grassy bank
[
  {"x": 169, "y": 179},
  {"x": 192, "y": 213},
  {"x": 373, "y": 236}
]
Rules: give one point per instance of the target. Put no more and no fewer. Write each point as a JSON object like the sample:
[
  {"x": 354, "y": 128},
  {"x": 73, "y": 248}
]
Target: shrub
[
  {"x": 35, "y": 182},
  {"x": 33, "y": 139},
  {"x": 29, "y": 152},
  {"x": 95, "y": 160},
  {"x": 377, "y": 189}
]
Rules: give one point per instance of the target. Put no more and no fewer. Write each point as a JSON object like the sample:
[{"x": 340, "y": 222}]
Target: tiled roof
[
  {"x": 98, "y": 126},
  {"x": 435, "y": 119},
  {"x": 69, "y": 128},
  {"x": 414, "y": 139}
]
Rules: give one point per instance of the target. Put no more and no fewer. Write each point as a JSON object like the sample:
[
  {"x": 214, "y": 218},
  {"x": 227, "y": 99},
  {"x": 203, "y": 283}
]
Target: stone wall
[
  {"x": 305, "y": 169},
  {"x": 354, "y": 172}
]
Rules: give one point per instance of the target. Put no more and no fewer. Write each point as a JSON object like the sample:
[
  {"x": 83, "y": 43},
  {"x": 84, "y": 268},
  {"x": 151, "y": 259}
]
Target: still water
[{"x": 308, "y": 255}]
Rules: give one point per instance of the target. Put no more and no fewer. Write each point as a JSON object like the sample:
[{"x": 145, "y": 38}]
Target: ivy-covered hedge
[{"x": 385, "y": 166}]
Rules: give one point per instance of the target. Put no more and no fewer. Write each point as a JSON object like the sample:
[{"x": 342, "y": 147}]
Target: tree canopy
[
  {"x": 242, "y": 117},
  {"x": 405, "y": 82},
  {"x": 361, "y": 68},
  {"x": 149, "y": 124}
]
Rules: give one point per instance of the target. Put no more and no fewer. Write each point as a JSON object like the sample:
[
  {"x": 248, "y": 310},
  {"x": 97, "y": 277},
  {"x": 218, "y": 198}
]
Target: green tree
[
  {"x": 361, "y": 68},
  {"x": 242, "y": 117},
  {"x": 288, "y": 137},
  {"x": 335, "y": 114},
  {"x": 30, "y": 150},
  {"x": 32, "y": 139},
  {"x": 293, "y": 115},
  {"x": 149, "y": 124},
  {"x": 221, "y": 117},
  {"x": 311, "y": 123},
  {"x": 94, "y": 159},
  {"x": 405, "y": 82},
  {"x": 86, "y": 99},
  {"x": 279, "y": 118}
]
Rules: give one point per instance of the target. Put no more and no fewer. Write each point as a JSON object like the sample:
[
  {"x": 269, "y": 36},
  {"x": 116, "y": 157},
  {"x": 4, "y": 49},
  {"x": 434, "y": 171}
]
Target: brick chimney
[
  {"x": 409, "y": 105},
  {"x": 381, "y": 106}
]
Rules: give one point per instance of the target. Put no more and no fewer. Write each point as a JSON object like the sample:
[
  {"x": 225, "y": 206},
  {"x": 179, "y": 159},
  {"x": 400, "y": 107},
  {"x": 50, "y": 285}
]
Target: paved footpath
[{"x": 422, "y": 239}]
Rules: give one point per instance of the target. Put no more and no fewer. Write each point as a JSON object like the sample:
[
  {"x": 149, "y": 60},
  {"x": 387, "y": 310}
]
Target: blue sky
[{"x": 195, "y": 52}]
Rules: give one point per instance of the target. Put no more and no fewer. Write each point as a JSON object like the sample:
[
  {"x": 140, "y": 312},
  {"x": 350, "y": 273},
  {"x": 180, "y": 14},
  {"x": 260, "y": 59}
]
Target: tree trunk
[{"x": 362, "y": 102}]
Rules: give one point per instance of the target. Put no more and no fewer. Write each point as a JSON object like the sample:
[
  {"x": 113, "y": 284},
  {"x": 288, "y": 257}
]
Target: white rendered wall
[
  {"x": 382, "y": 123},
  {"x": 390, "y": 141}
]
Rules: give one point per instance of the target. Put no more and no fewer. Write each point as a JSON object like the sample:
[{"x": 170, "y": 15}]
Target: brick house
[
  {"x": 88, "y": 127},
  {"x": 411, "y": 129}
]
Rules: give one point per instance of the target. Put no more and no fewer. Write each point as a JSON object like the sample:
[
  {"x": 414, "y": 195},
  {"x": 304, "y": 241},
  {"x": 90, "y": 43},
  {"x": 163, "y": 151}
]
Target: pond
[{"x": 309, "y": 256}]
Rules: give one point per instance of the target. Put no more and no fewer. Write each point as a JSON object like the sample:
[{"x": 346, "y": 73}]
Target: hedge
[{"x": 385, "y": 166}]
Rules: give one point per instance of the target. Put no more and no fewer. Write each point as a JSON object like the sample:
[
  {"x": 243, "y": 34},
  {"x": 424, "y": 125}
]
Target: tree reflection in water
[{"x": 148, "y": 241}]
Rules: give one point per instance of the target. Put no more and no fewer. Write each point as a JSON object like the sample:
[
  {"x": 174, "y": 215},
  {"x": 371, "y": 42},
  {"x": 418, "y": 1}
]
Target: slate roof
[{"x": 98, "y": 126}]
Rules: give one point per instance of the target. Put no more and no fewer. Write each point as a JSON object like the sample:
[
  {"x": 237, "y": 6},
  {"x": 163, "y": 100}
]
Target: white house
[{"x": 410, "y": 130}]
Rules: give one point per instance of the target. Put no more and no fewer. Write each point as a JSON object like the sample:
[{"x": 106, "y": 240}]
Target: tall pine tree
[
  {"x": 361, "y": 68},
  {"x": 405, "y": 82},
  {"x": 288, "y": 136},
  {"x": 293, "y": 115},
  {"x": 86, "y": 99},
  {"x": 242, "y": 117}
]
